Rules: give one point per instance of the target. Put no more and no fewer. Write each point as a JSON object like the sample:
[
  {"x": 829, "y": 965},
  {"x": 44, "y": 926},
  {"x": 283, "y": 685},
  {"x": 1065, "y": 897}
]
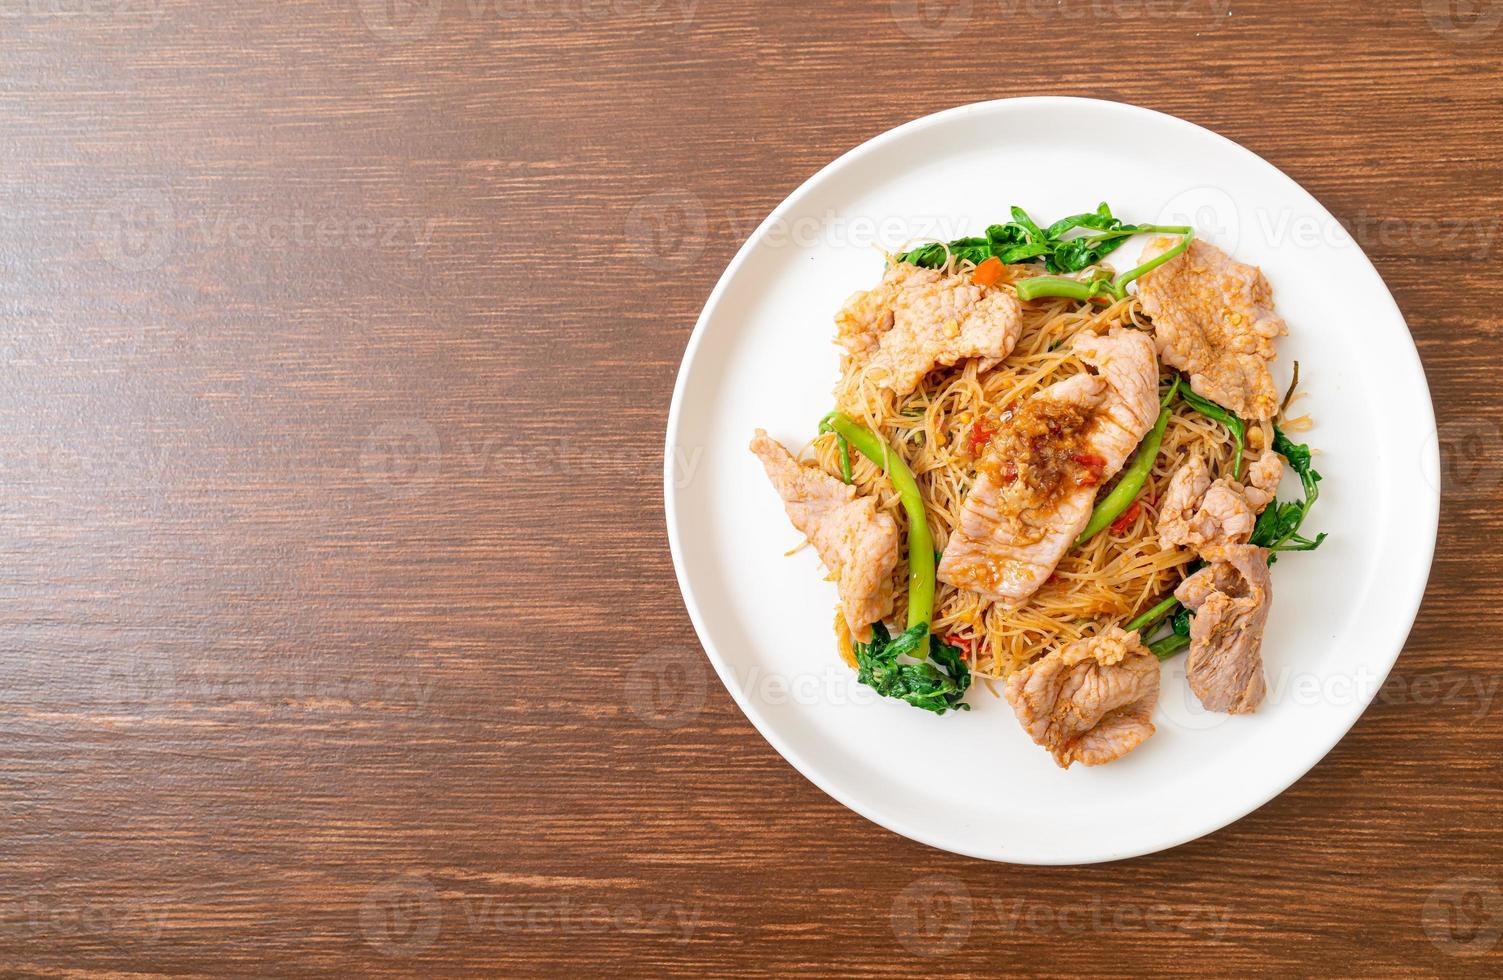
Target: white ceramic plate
[{"x": 762, "y": 355}]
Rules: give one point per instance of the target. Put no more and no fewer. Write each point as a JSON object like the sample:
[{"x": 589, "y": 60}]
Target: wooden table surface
[{"x": 339, "y": 630}]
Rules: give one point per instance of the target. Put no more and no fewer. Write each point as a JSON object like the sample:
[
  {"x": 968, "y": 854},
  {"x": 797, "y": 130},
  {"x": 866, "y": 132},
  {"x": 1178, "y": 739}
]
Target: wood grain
[{"x": 340, "y": 635}]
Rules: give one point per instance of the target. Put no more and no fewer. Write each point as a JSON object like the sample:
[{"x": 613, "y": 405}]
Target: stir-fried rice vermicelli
[
  {"x": 1058, "y": 482},
  {"x": 1113, "y": 577}
]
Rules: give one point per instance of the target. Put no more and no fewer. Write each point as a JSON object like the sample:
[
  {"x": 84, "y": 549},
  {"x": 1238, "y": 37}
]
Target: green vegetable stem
[
  {"x": 1169, "y": 646},
  {"x": 1100, "y": 286},
  {"x": 1153, "y": 616},
  {"x": 1278, "y": 526},
  {"x": 1226, "y": 417},
  {"x": 921, "y": 684},
  {"x": 1110, "y": 507},
  {"x": 920, "y": 541}
]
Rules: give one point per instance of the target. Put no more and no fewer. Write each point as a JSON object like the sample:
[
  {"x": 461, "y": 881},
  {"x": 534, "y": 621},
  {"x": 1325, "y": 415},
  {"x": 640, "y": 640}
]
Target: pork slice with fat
[
  {"x": 1213, "y": 318},
  {"x": 857, "y": 542},
  {"x": 1090, "y": 701},
  {"x": 1036, "y": 485},
  {"x": 1231, "y": 598}
]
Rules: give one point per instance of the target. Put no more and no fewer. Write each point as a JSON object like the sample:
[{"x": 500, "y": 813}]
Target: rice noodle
[{"x": 1106, "y": 582}]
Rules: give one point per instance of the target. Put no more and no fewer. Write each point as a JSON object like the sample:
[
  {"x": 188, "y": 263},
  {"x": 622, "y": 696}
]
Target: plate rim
[{"x": 892, "y": 822}]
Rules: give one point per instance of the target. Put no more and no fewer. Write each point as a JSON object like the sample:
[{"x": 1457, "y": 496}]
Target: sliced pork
[
  {"x": 1263, "y": 476},
  {"x": 1036, "y": 485},
  {"x": 857, "y": 542},
  {"x": 1213, "y": 318},
  {"x": 1090, "y": 701},
  {"x": 918, "y": 319},
  {"x": 1231, "y": 598},
  {"x": 1200, "y": 514}
]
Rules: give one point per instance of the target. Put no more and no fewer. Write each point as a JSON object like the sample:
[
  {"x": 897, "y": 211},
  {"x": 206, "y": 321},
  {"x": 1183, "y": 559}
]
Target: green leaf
[
  {"x": 907, "y": 641},
  {"x": 1279, "y": 520},
  {"x": 926, "y": 256},
  {"x": 921, "y": 684},
  {"x": 1180, "y": 621},
  {"x": 1297, "y": 454},
  {"x": 1021, "y": 240},
  {"x": 1002, "y": 237},
  {"x": 1075, "y": 254},
  {"x": 1021, "y": 219},
  {"x": 934, "y": 255},
  {"x": 1099, "y": 220},
  {"x": 1279, "y": 525},
  {"x": 1022, "y": 253},
  {"x": 952, "y": 660}
]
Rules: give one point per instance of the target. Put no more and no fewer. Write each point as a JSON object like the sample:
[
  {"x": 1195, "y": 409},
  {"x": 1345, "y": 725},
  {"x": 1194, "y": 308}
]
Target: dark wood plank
[{"x": 340, "y": 634}]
